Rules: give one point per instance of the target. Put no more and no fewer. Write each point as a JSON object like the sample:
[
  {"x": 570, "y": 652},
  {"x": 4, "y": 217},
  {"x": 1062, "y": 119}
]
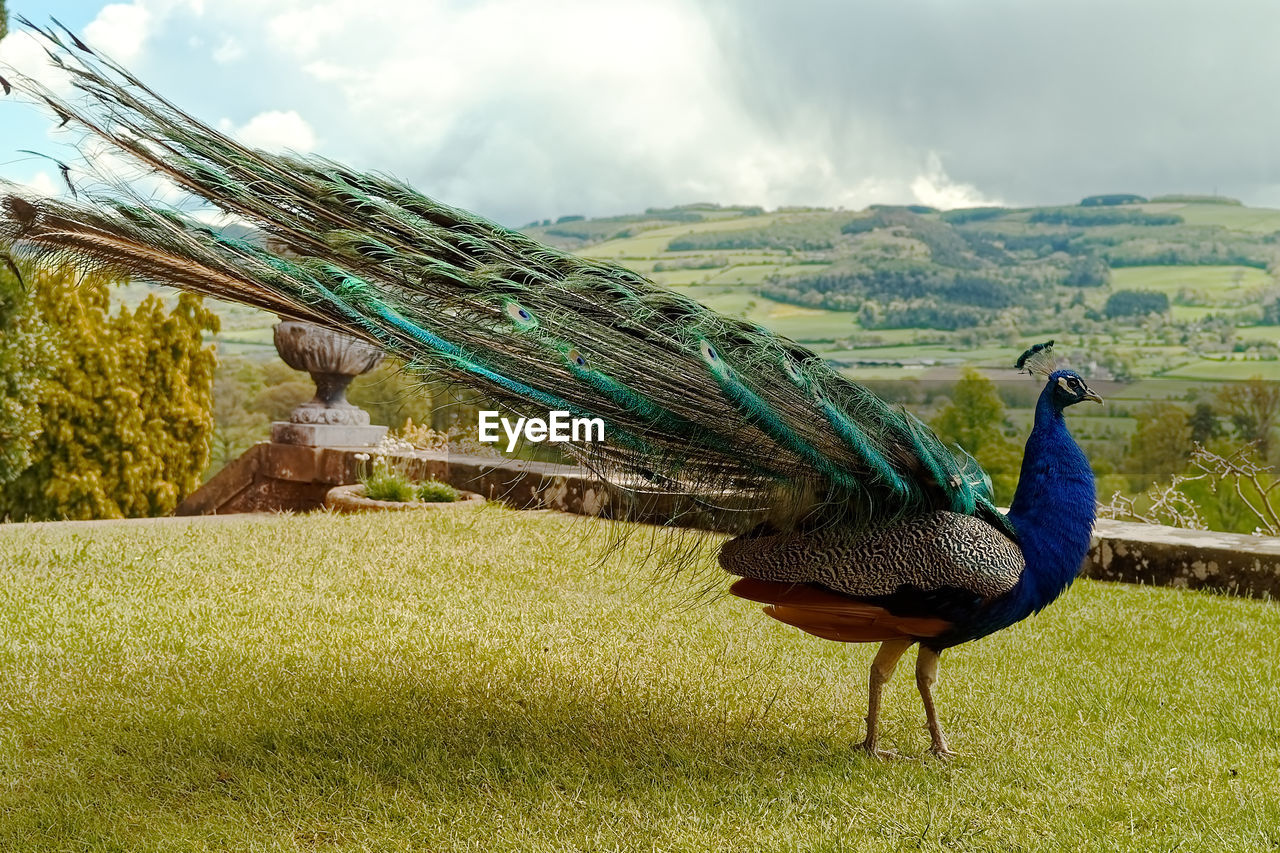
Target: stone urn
[{"x": 333, "y": 360}]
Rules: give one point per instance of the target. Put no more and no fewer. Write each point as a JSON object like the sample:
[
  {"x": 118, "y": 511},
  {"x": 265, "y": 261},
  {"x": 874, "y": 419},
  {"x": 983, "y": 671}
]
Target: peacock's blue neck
[{"x": 1053, "y": 509}]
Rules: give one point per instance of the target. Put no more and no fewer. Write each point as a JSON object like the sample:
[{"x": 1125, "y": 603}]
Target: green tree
[
  {"x": 4, "y": 21},
  {"x": 394, "y": 395},
  {"x": 1160, "y": 446},
  {"x": 975, "y": 420},
  {"x": 24, "y": 362},
  {"x": 125, "y": 412},
  {"x": 1204, "y": 424},
  {"x": 236, "y": 425},
  {"x": 1254, "y": 409},
  {"x": 1136, "y": 303},
  {"x": 282, "y": 389},
  {"x": 1087, "y": 271}
]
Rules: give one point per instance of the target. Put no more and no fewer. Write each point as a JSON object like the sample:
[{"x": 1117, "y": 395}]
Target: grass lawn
[{"x": 485, "y": 682}]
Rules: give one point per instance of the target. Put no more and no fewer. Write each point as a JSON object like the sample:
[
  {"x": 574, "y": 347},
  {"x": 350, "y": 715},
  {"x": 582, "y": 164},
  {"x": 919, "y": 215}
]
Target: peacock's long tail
[{"x": 694, "y": 402}]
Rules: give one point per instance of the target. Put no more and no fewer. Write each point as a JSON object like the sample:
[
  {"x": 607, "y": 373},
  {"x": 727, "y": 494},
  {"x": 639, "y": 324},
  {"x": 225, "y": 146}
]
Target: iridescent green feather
[{"x": 695, "y": 401}]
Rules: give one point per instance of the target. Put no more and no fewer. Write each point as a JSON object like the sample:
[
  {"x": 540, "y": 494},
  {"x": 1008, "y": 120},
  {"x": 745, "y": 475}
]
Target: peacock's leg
[
  {"x": 926, "y": 675},
  {"x": 881, "y": 670}
]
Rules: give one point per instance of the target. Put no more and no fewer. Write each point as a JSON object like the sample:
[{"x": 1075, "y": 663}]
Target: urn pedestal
[{"x": 333, "y": 360}]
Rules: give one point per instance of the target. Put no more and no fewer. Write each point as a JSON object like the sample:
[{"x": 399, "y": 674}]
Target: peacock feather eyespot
[
  {"x": 709, "y": 353},
  {"x": 520, "y": 315},
  {"x": 576, "y": 358}
]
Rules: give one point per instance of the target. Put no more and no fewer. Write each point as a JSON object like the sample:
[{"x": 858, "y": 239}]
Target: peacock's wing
[
  {"x": 693, "y": 401},
  {"x": 942, "y": 565}
]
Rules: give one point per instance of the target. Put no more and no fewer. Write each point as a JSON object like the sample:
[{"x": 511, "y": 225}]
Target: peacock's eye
[{"x": 518, "y": 313}]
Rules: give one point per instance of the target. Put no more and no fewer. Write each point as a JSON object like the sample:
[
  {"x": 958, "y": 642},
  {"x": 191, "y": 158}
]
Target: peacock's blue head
[{"x": 1066, "y": 388}]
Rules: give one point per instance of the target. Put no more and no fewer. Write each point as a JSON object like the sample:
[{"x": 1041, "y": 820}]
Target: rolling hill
[{"x": 896, "y": 291}]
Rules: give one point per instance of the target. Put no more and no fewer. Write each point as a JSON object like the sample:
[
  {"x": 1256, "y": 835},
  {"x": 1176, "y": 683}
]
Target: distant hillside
[
  {"x": 912, "y": 267},
  {"x": 1177, "y": 285},
  {"x": 919, "y": 288}
]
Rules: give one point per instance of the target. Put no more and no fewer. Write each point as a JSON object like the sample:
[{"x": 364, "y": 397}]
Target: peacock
[{"x": 849, "y": 518}]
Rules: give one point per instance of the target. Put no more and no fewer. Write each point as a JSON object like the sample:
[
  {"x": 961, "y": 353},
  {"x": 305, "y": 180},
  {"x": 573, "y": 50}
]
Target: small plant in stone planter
[
  {"x": 385, "y": 487},
  {"x": 434, "y": 491}
]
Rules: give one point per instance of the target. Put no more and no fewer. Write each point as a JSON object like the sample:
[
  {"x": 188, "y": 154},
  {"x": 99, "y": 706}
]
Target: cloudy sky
[{"x": 527, "y": 109}]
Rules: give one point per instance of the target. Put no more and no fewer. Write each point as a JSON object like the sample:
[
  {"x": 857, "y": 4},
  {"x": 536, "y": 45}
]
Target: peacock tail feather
[{"x": 694, "y": 402}]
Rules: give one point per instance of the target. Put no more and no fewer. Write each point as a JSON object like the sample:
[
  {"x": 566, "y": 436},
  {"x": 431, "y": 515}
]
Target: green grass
[
  {"x": 1221, "y": 284},
  {"x": 1232, "y": 217},
  {"x": 1234, "y": 369},
  {"x": 482, "y": 681},
  {"x": 793, "y": 321},
  {"x": 653, "y": 243}
]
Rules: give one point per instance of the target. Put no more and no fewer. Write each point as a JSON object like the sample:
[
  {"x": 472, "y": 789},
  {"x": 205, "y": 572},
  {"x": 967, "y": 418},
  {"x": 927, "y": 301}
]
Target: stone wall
[
  {"x": 286, "y": 477},
  {"x": 289, "y": 477},
  {"x": 1191, "y": 559}
]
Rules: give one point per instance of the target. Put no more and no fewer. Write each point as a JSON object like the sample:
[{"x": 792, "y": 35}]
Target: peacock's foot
[{"x": 942, "y": 752}]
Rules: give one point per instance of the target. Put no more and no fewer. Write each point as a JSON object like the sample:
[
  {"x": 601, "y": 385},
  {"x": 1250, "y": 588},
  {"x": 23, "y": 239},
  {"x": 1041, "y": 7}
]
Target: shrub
[
  {"x": 25, "y": 356},
  {"x": 433, "y": 491},
  {"x": 125, "y": 407}
]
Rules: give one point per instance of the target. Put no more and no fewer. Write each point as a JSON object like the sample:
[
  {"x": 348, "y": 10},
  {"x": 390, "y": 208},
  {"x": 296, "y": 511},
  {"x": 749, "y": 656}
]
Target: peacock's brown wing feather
[{"x": 941, "y": 551}]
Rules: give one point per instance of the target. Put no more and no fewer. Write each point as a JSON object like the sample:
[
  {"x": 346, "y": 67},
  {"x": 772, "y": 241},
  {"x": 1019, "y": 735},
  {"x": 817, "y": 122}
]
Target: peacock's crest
[{"x": 1040, "y": 360}]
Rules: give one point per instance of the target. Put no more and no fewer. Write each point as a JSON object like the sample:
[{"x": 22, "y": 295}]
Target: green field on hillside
[{"x": 1221, "y": 285}]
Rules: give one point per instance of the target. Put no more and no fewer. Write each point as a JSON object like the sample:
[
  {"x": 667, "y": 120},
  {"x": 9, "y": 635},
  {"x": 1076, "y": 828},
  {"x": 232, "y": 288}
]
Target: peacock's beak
[{"x": 1090, "y": 394}]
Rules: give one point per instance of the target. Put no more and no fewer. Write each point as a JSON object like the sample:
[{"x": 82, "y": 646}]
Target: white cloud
[
  {"x": 23, "y": 52},
  {"x": 278, "y": 131},
  {"x": 572, "y": 106},
  {"x": 513, "y": 109},
  {"x": 522, "y": 110},
  {"x": 42, "y": 184},
  {"x": 229, "y": 51},
  {"x": 120, "y": 30},
  {"x": 934, "y": 188}
]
